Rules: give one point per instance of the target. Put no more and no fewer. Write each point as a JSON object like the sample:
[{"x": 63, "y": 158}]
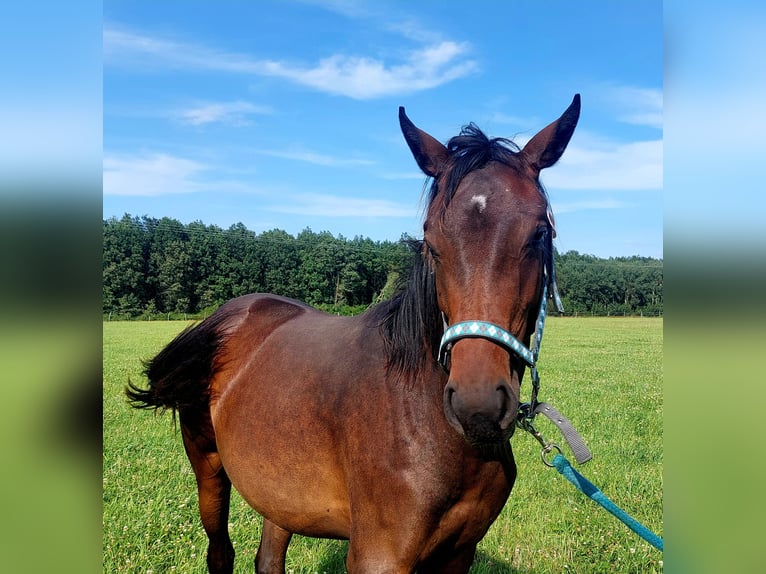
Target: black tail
[{"x": 179, "y": 376}]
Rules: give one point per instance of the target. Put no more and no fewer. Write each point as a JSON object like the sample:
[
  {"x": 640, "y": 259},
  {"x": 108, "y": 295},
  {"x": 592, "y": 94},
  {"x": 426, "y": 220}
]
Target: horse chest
[{"x": 480, "y": 501}]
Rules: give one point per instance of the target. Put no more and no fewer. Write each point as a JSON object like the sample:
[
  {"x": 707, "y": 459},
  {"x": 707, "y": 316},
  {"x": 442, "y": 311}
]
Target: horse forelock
[{"x": 469, "y": 151}]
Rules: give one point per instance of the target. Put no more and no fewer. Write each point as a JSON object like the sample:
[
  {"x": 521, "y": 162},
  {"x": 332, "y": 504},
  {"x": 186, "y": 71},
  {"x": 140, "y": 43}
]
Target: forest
[{"x": 162, "y": 268}]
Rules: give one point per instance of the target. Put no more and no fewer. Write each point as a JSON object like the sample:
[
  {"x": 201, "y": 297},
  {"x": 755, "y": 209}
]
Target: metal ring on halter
[{"x": 548, "y": 448}]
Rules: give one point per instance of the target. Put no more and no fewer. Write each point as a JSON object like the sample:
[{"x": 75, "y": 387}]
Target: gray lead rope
[
  {"x": 581, "y": 452},
  {"x": 528, "y": 411}
]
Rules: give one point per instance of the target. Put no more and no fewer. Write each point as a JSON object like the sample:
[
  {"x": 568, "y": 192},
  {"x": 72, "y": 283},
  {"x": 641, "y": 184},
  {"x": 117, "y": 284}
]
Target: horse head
[{"x": 488, "y": 234}]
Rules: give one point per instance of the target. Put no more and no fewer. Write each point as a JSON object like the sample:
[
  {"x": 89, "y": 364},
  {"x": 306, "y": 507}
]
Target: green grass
[{"x": 604, "y": 374}]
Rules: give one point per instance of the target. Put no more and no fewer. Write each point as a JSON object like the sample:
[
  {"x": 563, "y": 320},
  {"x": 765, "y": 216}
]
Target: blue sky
[{"x": 284, "y": 114}]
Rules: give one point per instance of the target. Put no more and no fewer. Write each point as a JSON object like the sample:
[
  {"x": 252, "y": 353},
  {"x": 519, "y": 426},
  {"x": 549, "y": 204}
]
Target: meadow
[{"x": 603, "y": 373}]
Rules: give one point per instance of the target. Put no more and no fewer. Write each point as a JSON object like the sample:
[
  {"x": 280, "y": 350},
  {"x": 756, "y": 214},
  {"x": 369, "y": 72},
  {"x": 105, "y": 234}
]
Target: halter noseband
[
  {"x": 500, "y": 336},
  {"x": 483, "y": 330}
]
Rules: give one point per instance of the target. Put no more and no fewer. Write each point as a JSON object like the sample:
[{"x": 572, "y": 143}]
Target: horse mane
[{"x": 410, "y": 322}]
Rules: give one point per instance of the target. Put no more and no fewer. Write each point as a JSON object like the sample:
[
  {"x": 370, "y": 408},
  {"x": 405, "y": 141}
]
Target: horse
[{"x": 372, "y": 428}]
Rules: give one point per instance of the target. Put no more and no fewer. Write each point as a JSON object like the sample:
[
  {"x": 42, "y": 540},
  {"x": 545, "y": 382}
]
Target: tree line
[{"x": 162, "y": 267}]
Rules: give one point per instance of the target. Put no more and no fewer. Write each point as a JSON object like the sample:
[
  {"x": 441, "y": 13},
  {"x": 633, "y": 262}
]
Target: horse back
[{"x": 263, "y": 329}]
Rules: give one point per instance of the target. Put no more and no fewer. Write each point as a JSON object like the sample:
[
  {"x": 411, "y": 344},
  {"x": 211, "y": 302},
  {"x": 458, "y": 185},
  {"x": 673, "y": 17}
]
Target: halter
[{"x": 500, "y": 336}]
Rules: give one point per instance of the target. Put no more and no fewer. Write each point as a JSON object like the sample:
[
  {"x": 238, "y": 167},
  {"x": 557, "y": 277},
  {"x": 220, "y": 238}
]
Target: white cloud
[
  {"x": 525, "y": 123},
  {"x": 122, "y": 47},
  {"x": 315, "y": 158},
  {"x": 117, "y": 42},
  {"x": 231, "y": 113},
  {"x": 587, "y": 205},
  {"x": 397, "y": 21},
  {"x": 154, "y": 174},
  {"x": 349, "y": 8},
  {"x": 365, "y": 78},
  {"x": 403, "y": 175},
  {"x": 609, "y": 166},
  {"x": 357, "y": 77},
  {"x": 334, "y": 206},
  {"x": 632, "y": 105},
  {"x": 591, "y": 162}
]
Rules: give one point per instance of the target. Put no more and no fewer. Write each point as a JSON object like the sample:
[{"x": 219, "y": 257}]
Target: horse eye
[
  {"x": 541, "y": 233},
  {"x": 431, "y": 251}
]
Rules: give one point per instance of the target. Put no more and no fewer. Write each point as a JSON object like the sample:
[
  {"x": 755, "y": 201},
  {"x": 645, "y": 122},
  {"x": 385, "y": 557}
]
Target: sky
[{"x": 283, "y": 114}]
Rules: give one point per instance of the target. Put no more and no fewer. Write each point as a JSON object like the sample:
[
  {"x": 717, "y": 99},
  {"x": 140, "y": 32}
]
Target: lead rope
[
  {"x": 586, "y": 487},
  {"x": 561, "y": 464},
  {"x": 528, "y": 411}
]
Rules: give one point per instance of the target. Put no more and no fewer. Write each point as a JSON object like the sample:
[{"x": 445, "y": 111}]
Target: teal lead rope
[
  {"x": 528, "y": 411},
  {"x": 561, "y": 464},
  {"x": 582, "y": 454}
]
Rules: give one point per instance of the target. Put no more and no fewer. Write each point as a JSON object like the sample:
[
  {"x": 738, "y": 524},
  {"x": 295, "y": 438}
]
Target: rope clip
[{"x": 524, "y": 421}]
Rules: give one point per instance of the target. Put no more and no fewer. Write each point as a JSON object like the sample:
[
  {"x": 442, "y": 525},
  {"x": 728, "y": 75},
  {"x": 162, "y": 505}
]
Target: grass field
[{"x": 604, "y": 374}]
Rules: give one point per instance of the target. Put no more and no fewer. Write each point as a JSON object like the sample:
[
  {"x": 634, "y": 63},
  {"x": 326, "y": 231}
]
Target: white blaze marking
[{"x": 480, "y": 201}]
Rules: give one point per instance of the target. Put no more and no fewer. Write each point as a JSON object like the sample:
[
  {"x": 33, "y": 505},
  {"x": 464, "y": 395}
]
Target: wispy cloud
[
  {"x": 348, "y": 8},
  {"x": 591, "y": 162},
  {"x": 594, "y": 162},
  {"x": 315, "y": 158},
  {"x": 633, "y": 105},
  {"x": 608, "y": 166},
  {"x": 125, "y": 47},
  {"x": 366, "y": 78},
  {"x": 625, "y": 104},
  {"x": 152, "y": 174},
  {"x": 398, "y": 21},
  {"x": 323, "y": 205},
  {"x": 358, "y": 77},
  {"x": 402, "y": 175},
  {"x": 230, "y": 113},
  {"x": 587, "y": 205},
  {"x": 155, "y": 174}
]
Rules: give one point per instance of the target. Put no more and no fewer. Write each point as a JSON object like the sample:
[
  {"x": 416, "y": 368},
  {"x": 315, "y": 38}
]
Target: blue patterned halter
[{"x": 500, "y": 336}]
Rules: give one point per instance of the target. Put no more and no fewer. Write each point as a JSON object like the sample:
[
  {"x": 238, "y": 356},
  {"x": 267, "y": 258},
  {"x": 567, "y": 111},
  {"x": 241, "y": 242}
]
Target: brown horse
[{"x": 354, "y": 427}]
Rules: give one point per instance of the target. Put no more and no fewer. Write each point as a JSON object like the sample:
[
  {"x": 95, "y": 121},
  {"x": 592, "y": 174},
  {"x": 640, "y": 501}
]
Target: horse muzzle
[
  {"x": 484, "y": 414},
  {"x": 479, "y": 399}
]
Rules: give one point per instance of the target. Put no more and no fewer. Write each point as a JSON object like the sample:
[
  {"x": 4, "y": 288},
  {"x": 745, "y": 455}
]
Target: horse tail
[{"x": 180, "y": 375}]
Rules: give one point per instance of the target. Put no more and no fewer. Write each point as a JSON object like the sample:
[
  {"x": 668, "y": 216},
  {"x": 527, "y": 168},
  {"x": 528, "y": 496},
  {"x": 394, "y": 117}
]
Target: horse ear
[
  {"x": 430, "y": 154},
  {"x": 549, "y": 144}
]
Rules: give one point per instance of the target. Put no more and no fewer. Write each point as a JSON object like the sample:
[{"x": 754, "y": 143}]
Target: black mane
[{"x": 410, "y": 321}]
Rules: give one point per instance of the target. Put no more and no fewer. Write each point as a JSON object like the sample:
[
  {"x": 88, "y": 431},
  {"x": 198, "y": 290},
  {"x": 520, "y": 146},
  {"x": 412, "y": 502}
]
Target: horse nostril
[
  {"x": 449, "y": 409},
  {"x": 508, "y": 406}
]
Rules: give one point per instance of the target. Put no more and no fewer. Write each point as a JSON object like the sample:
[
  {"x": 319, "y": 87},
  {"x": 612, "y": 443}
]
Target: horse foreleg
[
  {"x": 456, "y": 562},
  {"x": 272, "y": 550},
  {"x": 214, "y": 490},
  {"x": 377, "y": 558}
]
